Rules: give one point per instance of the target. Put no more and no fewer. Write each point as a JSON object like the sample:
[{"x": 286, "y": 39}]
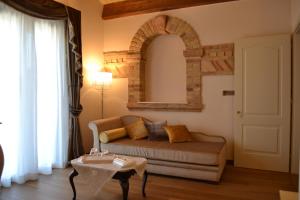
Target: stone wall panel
[{"x": 200, "y": 60}]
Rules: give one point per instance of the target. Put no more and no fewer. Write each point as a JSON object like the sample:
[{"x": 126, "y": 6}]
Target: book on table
[{"x": 121, "y": 162}]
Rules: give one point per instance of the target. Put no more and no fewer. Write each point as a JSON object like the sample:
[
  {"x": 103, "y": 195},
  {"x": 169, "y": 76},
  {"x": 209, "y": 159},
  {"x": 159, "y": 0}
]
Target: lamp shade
[{"x": 102, "y": 79}]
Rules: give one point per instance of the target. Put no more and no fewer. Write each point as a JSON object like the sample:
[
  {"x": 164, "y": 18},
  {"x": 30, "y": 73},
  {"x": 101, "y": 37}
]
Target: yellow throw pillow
[
  {"x": 178, "y": 133},
  {"x": 110, "y": 135},
  {"x": 137, "y": 130}
]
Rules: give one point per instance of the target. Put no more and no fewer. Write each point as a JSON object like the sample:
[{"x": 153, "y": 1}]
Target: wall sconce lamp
[{"x": 102, "y": 81}]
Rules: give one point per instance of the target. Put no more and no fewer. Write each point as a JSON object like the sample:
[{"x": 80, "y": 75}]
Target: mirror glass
[{"x": 165, "y": 76}]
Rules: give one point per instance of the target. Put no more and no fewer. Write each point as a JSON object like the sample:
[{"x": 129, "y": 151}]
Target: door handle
[{"x": 239, "y": 113}]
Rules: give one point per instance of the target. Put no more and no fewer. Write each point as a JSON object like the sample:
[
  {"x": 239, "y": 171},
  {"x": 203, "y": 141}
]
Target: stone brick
[
  {"x": 148, "y": 29},
  {"x": 181, "y": 27},
  {"x": 172, "y": 25},
  {"x": 159, "y": 24},
  {"x": 228, "y": 53},
  {"x": 141, "y": 35},
  {"x": 196, "y": 52},
  {"x": 138, "y": 41}
]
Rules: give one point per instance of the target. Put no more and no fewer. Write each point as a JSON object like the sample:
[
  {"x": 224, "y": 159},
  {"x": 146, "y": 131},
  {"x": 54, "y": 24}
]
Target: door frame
[{"x": 295, "y": 133}]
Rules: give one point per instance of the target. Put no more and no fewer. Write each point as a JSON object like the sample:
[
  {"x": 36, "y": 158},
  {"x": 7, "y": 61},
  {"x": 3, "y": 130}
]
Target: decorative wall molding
[
  {"x": 117, "y": 62},
  {"x": 216, "y": 60},
  {"x": 200, "y": 60}
]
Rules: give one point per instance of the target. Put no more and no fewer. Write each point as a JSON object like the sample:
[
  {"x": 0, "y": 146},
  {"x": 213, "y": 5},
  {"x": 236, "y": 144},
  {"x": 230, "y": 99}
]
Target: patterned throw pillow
[
  {"x": 137, "y": 130},
  {"x": 178, "y": 133},
  {"x": 156, "y": 130}
]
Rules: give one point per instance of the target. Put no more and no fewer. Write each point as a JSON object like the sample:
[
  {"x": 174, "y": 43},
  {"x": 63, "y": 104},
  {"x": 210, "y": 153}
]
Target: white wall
[
  {"x": 215, "y": 24},
  {"x": 92, "y": 45}
]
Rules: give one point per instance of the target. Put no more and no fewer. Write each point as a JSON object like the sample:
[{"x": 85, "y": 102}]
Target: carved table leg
[
  {"x": 144, "y": 183},
  {"x": 1, "y": 160},
  {"x": 71, "y": 177},
  {"x": 125, "y": 187}
]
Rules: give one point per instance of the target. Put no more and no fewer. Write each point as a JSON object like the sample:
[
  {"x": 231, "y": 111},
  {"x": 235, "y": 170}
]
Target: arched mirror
[
  {"x": 165, "y": 70},
  {"x": 151, "y": 59}
]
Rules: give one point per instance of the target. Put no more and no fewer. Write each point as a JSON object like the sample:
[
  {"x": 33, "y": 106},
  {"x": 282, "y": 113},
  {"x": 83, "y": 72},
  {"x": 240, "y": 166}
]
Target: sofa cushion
[
  {"x": 156, "y": 130},
  {"x": 195, "y": 152},
  {"x": 137, "y": 130},
  {"x": 113, "y": 134},
  {"x": 178, "y": 133}
]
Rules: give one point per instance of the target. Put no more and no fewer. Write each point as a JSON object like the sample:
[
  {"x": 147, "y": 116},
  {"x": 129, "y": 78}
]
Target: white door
[{"x": 262, "y": 102}]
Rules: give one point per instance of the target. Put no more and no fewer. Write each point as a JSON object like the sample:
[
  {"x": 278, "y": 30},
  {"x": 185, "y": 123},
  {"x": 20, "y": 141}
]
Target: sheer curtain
[{"x": 34, "y": 95}]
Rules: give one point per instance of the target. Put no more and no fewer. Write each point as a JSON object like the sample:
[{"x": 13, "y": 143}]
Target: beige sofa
[{"x": 203, "y": 158}]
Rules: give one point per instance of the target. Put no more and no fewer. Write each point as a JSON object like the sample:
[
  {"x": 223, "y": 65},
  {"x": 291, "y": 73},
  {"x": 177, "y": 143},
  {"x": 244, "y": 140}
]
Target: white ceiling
[{"x": 109, "y": 1}]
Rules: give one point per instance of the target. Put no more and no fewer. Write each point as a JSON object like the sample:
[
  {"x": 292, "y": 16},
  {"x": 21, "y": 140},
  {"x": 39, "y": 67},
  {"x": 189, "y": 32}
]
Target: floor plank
[{"x": 236, "y": 184}]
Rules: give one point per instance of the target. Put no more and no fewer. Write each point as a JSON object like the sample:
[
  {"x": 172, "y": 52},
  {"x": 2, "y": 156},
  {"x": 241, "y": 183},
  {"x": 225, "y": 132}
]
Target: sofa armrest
[
  {"x": 93, "y": 126},
  {"x": 100, "y": 125},
  {"x": 208, "y": 138}
]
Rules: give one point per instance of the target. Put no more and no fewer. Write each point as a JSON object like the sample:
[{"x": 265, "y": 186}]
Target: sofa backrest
[
  {"x": 128, "y": 119},
  {"x": 109, "y": 123}
]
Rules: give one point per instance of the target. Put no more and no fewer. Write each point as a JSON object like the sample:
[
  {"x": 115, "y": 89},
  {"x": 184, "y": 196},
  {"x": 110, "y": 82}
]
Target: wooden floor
[{"x": 236, "y": 184}]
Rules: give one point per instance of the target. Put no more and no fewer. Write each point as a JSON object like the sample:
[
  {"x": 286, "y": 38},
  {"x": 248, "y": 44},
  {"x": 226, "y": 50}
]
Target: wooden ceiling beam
[{"x": 136, "y": 7}]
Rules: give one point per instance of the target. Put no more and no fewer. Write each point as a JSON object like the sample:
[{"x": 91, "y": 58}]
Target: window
[{"x": 34, "y": 95}]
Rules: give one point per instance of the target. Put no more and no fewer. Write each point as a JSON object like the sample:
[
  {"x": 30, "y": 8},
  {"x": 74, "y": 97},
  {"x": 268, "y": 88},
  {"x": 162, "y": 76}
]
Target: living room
[{"x": 216, "y": 37}]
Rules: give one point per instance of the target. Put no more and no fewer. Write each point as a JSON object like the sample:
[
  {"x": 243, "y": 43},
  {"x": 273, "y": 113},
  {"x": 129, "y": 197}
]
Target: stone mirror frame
[
  {"x": 207, "y": 60},
  {"x": 164, "y": 25}
]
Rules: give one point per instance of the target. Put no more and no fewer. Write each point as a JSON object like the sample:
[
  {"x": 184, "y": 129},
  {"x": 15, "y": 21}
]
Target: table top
[{"x": 106, "y": 162}]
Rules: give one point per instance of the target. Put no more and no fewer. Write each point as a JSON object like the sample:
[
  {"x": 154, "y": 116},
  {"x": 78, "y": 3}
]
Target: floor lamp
[{"x": 102, "y": 81}]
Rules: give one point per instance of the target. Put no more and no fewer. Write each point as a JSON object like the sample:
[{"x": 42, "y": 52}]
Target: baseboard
[{"x": 229, "y": 162}]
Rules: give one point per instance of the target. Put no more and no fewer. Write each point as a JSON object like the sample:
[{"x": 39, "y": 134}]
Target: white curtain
[{"x": 34, "y": 98}]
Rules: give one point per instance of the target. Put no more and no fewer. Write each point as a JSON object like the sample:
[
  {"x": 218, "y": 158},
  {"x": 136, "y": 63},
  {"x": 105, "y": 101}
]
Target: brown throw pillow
[
  {"x": 178, "y": 133},
  {"x": 137, "y": 130},
  {"x": 156, "y": 130}
]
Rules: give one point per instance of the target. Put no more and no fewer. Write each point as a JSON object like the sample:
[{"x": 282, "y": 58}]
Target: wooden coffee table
[{"x": 122, "y": 176}]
